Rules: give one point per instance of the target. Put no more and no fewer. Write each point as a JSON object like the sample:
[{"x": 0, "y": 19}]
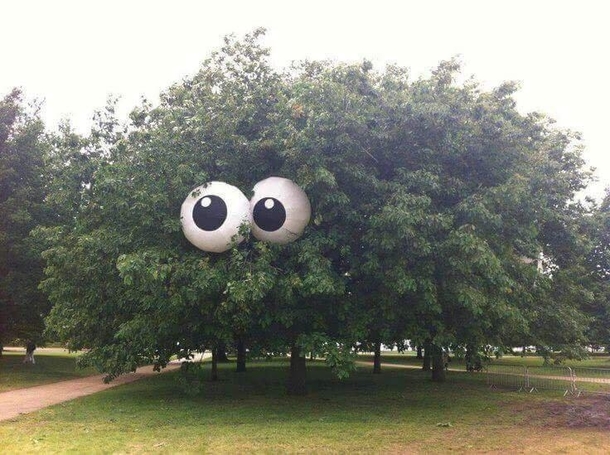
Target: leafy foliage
[
  {"x": 427, "y": 195},
  {"x": 22, "y": 192}
]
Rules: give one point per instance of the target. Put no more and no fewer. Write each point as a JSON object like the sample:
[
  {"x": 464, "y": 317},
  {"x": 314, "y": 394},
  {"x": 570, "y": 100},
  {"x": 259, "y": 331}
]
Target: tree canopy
[{"x": 428, "y": 198}]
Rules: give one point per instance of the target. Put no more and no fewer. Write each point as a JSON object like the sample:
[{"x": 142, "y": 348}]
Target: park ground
[{"x": 399, "y": 411}]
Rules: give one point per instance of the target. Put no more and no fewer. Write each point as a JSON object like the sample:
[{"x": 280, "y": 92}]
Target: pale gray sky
[{"x": 74, "y": 53}]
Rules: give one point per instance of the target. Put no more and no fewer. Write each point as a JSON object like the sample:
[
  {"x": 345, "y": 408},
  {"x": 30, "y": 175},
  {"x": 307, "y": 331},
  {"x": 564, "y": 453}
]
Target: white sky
[{"x": 74, "y": 53}]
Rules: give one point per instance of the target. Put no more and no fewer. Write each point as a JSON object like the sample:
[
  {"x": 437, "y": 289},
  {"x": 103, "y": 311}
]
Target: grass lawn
[
  {"x": 52, "y": 365},
  {"x": 399, "y": 411}
]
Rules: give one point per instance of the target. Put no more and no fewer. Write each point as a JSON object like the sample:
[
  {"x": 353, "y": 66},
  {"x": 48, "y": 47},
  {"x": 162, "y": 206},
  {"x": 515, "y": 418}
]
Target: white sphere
[
  {"x": 211, "y": 215},
  {"x": 279, "y": 210}
]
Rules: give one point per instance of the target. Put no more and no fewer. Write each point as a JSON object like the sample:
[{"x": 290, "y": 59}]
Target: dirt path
[{"x": 22, "y": 401}]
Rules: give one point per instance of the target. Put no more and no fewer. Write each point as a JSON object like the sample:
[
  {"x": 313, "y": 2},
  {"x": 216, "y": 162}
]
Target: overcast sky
[{"x": 74, "y": 53}]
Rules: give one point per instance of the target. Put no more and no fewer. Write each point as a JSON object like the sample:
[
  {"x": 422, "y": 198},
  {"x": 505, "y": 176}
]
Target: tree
[
  {"x": 150, "y": 293},
  {"x": 22, "y": 191},
  {"x": 468, "y": 187},
  {"x": 426, "y": 195}
]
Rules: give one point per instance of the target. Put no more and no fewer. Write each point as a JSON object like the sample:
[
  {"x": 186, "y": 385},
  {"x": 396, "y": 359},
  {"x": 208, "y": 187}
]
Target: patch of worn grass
[
  {"x": 396, "y": 412},
  {"x": 52, "y": 365}
]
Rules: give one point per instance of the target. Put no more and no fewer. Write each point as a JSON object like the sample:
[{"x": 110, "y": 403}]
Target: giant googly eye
[
  {"x": 212, "y": 213},
  {"x": 280, "y": 210}
]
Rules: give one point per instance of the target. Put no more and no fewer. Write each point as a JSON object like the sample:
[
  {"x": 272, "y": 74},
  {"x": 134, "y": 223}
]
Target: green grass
[
  {"x": 52, "y": 365},
  {"x": 396, "y": 412}
]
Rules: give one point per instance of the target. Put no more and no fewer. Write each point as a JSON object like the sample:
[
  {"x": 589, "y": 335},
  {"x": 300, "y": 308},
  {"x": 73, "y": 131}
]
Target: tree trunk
[
  {"x": 298, "y": 373},
  {"x": 469, "y": 357},
  {"x": 241, "y": 356},
  {"x": 438, "y": 364},
  {"x": 221, "y": 353},
  {"x": 377, "y": 359},
  {"x": 427, "y": 356},
  {"x": 214, "y": 376},
  {"x": 1, "y": 350},
  {"x": 420, "y": 354}
]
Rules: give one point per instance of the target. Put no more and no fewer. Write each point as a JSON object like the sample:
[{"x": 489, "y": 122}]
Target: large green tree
[
  {"x": 150, "y": 294},
  {"x": 475, "y": 187},
  {"x": 426, "y": 197},
  {"x": 22, "y": 192}
]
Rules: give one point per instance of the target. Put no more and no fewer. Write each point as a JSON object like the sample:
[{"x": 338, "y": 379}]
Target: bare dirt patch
[{"x": 591, "y": 411}]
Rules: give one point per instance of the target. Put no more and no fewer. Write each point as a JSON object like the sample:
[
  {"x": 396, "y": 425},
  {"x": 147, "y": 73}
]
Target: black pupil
[
  {"x": 269, "y": 214},
  {"x": 210, "y": 212}
]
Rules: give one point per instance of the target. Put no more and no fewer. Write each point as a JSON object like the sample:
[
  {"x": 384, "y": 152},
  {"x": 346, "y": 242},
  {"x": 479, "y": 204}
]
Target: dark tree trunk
[
  {"x": 377, "y": 359},
  {"x": 214, "y": 376},
  {"x": 469, "y": 357},
  {"x": 420, "y": 354},
  {"x": 473, "y": 358},
  {"x": 427, "y": 356},
  {"x": 1, "y": 350},
  {"x": 221, "y": 353},
  {"x": 298, "y": 373},
  {"x": 241, "y": 356},
  {"x": 438, "y": 364}
]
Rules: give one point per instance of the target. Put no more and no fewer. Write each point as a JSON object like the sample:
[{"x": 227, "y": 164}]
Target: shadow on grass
[{"x": 260, "y": 393}]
